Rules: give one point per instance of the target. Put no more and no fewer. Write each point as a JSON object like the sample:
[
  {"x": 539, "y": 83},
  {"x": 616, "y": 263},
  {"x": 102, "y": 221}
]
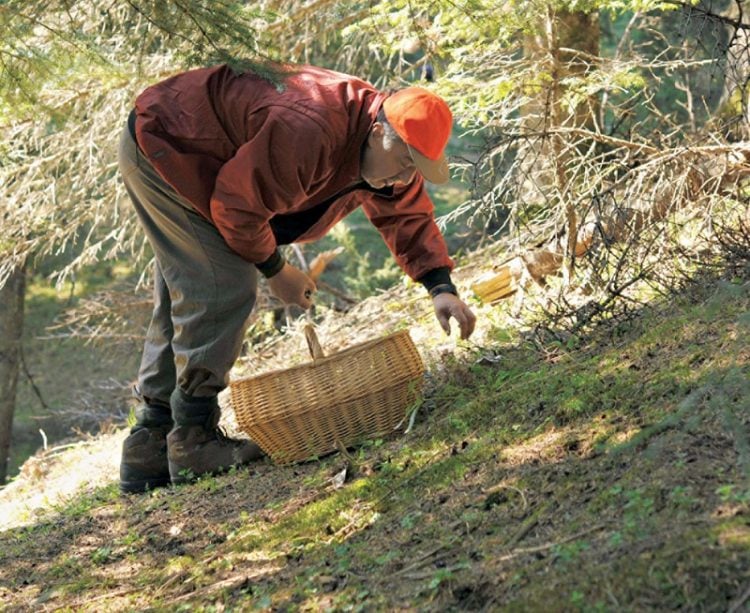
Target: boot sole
[{"x": 139, "y": 486}]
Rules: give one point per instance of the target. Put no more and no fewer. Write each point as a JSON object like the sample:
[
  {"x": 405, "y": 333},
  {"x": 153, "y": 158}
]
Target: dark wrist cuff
[
  {"x": 443, "y": 288},
  {"x": 435, "y": 277},
  {"x": 272, "y": 265}
]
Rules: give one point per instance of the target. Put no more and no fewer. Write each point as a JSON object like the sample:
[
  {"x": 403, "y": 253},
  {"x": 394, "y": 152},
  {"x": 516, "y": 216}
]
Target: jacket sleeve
[
  {"x": 406, "y": 222},
  {"x": 271, "y": 173}
]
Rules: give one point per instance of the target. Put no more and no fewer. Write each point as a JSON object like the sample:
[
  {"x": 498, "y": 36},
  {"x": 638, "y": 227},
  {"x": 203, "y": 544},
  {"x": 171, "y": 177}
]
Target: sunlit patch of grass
[
  {"x": 67, "y": 565},
  {"x": 177, "y": 564},
  {"x": 320, "y": 519},
  {"x": 81, "y": 504},
  {"x": 734, "y": 533}
]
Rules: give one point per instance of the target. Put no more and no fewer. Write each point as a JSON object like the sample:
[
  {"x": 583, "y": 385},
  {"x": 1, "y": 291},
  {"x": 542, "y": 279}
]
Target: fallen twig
[
  {"x": 106, "y": 596},
  {"x": 735, "y": 606},
  {"x": 524, "y": 550},
  {"x": 431, "y": 573},
  {"x": 502, "y": 486},
  {"x": 421, "y": 560}
]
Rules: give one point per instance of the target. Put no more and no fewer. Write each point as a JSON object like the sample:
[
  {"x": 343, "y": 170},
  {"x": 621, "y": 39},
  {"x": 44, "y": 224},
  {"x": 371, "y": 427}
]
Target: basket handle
[{"x": 316, "y": 351}]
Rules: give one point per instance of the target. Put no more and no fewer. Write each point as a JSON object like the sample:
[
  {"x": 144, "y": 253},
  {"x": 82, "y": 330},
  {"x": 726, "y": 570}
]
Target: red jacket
[{"x": 269, "y": 163}]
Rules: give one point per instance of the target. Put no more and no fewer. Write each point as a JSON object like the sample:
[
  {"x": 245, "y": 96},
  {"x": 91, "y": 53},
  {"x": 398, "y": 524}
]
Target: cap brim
[{"x": 435, "y": 171}]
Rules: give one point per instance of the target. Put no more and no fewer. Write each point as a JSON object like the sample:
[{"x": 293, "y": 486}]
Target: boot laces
[{"x": 220, "y": 434}]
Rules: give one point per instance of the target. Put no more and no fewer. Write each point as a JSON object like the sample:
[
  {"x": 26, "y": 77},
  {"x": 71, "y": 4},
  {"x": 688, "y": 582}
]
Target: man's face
[{"x": 386, "y": 160}]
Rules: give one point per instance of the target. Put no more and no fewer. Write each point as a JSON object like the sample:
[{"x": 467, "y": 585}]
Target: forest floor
[{"x": 610, "y": 472}]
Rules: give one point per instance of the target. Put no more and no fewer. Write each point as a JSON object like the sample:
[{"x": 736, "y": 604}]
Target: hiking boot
[
  {"x": 198, "y": 446},
  {"x": 144, "y": 463}
]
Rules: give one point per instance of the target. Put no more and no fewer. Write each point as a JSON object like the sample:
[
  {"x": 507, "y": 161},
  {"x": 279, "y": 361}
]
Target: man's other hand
[
  {"x": 447, "y": 306},
  {"x": 292, "y": 286}
]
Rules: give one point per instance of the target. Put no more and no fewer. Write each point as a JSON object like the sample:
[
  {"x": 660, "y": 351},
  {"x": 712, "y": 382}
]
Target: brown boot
[
  {"x": 144, "y": 453},
  {"x": 144, "y": 460},
  {"x": 194, "y": 450}
]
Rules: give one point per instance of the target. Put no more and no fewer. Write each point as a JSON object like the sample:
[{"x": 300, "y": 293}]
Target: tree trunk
[
  {"x": 564, "y": 50},
  {"x": 11, "y": 325},
  {"x": 735, "y": 97}
]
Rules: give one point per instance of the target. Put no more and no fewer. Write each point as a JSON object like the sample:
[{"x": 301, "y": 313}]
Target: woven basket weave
[{"x": 315, "y": 408}]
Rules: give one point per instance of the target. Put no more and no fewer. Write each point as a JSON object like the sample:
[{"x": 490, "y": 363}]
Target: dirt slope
[{"x": 609, "y": 474}]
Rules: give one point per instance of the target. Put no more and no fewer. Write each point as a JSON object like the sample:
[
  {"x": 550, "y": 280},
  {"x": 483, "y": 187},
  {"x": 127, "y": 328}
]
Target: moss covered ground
[{"x": 607, "y": 474}]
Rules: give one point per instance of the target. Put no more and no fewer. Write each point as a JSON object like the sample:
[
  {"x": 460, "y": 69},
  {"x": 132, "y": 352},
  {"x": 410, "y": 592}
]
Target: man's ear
[{"x": 376, "y": 133}]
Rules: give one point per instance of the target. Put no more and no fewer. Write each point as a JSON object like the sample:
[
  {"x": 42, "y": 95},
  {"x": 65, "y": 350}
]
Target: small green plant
[
  {"x": 101, "y": 555},
  {"x": 81, "y": 505},
  {"x": 175, "y": 505},
  {"x": 66, "y": 566},
  {"x": 577, "y": 599},
  {"x": 459, "y": 425},
  {"x": 638, "y": 508},
  {"x": 386, "y": 558},
  {"x": 444, "y": 575},
  {"x": 409, "y": 521},
  {"x": 682, "y": 498},
  {"x": 440, "y": 577},
  {"x": 569, "y": 552},
  {"x": 731, "y": 494},
  {"x": 131, "y": 542},
  {"x": 208, "y": 484},
  {"x": 187, "y": 474}
]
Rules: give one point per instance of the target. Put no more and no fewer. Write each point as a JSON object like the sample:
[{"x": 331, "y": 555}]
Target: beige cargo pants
[{"x": 203, "y": 295}]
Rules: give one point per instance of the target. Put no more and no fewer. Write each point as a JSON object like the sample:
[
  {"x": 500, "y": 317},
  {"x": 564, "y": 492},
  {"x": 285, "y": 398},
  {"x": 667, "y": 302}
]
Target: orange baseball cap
[{"x": 424, "y": 122}]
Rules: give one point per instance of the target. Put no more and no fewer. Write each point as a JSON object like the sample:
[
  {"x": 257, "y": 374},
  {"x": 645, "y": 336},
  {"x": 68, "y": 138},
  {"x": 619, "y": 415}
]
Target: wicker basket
[{"x": 315, "y": 408}]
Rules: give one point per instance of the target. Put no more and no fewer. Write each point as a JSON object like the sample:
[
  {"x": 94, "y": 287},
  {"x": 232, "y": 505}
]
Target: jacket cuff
[
  {"x": 437, "y": 277},
  {"x": 272, "y": 265}
]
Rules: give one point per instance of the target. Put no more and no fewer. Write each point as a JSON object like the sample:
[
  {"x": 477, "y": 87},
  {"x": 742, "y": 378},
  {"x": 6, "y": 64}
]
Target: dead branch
[{"x": 662, "y": 185}]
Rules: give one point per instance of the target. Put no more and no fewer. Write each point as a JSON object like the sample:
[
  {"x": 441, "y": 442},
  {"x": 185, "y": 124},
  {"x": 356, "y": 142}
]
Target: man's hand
[
  {"x": 447, "y": 306},
  {"x": 292, "y": 286}
]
